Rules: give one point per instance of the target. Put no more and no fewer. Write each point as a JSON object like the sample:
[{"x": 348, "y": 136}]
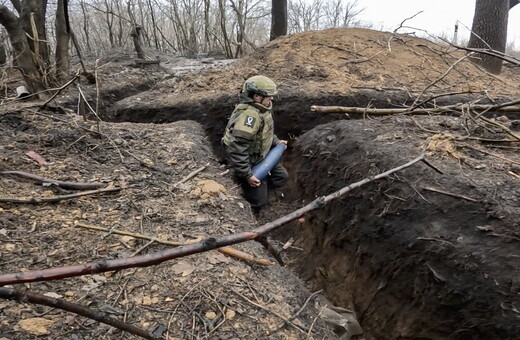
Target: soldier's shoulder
[{"x": 249, "y": 110}]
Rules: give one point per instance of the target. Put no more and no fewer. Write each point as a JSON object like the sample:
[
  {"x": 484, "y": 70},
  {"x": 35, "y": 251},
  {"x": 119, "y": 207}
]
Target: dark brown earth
[
  {"x": 420, "y": 255},
  {"x": 195, "y": 297}
]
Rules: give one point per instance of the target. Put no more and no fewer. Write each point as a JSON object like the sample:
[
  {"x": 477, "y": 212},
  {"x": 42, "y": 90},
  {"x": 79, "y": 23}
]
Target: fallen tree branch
[
  {"x": 61, "y": 184},
  {"x": 407, "y": 110},
  {"x": 205, "y": 245},
  {"x": 59, "y": 91},
  {"x": 35, "y": 200},
  {"x": 451, "y": 194},
  {"x": 26, "y": 296},
  {"x": 224, "y": 250}
]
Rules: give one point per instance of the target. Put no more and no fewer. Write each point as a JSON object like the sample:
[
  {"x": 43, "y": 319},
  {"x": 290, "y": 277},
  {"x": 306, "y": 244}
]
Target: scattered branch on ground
[
  {"x": 36, "y": 200},
  {"x": 26, "y": 296},
  {"x": 192, "y": 174},
  {"x": 407, "y": 110},
  {"x": 295, "y": 315},
  {"x": 59, "y": 91},
  {"x": 61, "y": 184},
  {"x": 225, "y": 250},
  {"x": 442, "y": 76},
  {"x": 301, "y": 329},
  {"x": 492, "y": 154},
  {"x": 451, "y": 194},
  {"x": 205, "y": 245}
]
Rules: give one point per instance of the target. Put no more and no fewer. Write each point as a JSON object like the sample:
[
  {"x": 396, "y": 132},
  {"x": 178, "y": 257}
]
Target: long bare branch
[
  {"x": 205, "y": 245},
  {"x": 61, "y": 184},
  {"x": 26, "y": 296}
]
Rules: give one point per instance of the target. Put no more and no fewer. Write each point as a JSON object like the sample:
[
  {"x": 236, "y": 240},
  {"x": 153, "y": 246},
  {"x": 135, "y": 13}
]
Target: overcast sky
[{"x": 439, "y": 16}]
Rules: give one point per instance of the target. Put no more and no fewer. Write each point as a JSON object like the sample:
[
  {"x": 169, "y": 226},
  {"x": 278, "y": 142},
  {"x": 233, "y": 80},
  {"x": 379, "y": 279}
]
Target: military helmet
[{"x": 260, "y": 85}]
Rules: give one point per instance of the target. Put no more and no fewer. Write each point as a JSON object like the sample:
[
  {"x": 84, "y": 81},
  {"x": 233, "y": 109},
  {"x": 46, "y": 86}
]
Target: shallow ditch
[{"x": 411, "y": 264}]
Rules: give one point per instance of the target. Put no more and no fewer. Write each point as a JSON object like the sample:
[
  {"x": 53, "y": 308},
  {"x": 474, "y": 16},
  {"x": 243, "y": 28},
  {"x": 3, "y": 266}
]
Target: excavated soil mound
[{"x": 422, "y": 254}]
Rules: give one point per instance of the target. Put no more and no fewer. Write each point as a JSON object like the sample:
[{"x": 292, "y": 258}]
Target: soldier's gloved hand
[{"x": 253, "y": 181}]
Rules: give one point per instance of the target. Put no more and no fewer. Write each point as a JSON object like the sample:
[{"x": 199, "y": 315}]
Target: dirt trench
[{"x": 414, "y": 264}]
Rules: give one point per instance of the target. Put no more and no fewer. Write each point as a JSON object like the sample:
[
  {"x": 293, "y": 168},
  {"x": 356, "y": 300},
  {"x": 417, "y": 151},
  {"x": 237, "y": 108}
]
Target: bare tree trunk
[
  {"x": 489, "y": 31},
  {"x": 226, "y": 42},
  {"x": 512, "y": 3},
  {"x": 154, "y": 25},
  {"x": 3, "y": 53},
  {"x": 62, "y": 41},
  {"x": 23, "y": 55},
  {"x": 120, "y": 25},
  {"x": 278, "y": 19},
  {"x": 136, "y": 34},
  {"x": 207, "y": 37},
  {"x": 32, "y": 17},
  {"x": 86, "y": 26},
  {"x": 110, "y": 20}
]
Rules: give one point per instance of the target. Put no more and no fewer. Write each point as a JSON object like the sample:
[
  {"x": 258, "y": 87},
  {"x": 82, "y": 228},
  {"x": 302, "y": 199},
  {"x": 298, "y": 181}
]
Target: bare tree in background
[
  {"x": 489, "y": 31},
  {"x": 22, "y": 50},
  {"x": 62, "y": 28},
  {"x": 278, "y": 19}
]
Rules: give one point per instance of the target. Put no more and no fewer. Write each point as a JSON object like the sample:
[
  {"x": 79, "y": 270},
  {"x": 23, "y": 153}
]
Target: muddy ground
[{"x": 420, "y": 255}]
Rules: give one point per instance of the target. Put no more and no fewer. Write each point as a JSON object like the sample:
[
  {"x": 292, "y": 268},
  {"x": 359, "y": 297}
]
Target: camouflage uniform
[{"x": 248, "y": 138}]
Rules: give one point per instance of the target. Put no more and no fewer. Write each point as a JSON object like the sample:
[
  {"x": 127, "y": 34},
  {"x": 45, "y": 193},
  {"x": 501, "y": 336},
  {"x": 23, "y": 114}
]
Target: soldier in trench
[{"x": 248, "y": 138}]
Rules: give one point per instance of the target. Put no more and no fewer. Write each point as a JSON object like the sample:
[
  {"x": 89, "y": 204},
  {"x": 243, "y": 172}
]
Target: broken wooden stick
[
  {"x": 61, "y": 184},
  {"x": 26, "y": 296},
  {"x": 405, "y": 110},
  {"x": 205, "y": 245},
  {"x": 38, "y": 200},
  {"x": 225, "y": 250},
  {"x": 192, "y": 174}
]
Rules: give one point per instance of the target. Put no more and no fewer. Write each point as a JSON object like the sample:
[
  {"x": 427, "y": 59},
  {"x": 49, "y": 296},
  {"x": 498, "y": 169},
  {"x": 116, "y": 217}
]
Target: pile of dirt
[
  {"x": 208, "y": 295},
  {"x": 340, "y": 61}
]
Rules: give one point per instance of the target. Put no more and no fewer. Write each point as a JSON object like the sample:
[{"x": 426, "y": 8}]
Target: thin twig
[
  {"x": 61, "y": 184},
  {"x": 301, "y": 329},
  {"x": 492, "y": 154},
  {"x": 405, "y": 20},
  {"x": 451, "y": 194},
  {"x": 281, "y": 325},
  {"x": 26, "y": 296},
  {"x": 35, "y": 200},
  {"x": 192, "y": 174},
  {"x": 59, "y": 91},
  {"x": 442, "y": 76},
  {"x": 149, "y": 243}
]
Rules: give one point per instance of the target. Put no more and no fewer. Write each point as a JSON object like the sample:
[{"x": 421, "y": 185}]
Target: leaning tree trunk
[
  {"x": 22, "y": 52},
  {"x": 32, "y": 17},
  {"x": 62, "y": 41},
  {"x": 278, "y": 19},
  {"x": 489, "y": 31}
]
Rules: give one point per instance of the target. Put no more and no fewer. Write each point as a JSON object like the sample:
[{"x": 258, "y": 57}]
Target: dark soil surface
[
  {"x": 419, "y": 255},
  {"x": 447, "y": 244},
  {"x": 200, "y": 297}
]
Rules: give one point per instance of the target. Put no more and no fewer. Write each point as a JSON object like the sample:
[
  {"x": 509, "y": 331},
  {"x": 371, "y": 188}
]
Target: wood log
[{"x": 441, "y": 109}]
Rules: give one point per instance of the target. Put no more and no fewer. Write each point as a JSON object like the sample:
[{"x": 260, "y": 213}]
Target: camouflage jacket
[{"x": 249, "y": 136}]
